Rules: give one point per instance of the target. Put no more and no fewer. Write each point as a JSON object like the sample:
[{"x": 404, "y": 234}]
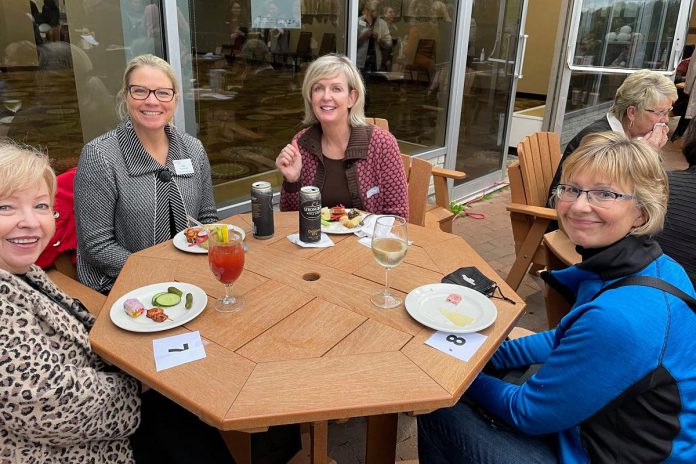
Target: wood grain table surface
[{"x": 308, "y": 346}]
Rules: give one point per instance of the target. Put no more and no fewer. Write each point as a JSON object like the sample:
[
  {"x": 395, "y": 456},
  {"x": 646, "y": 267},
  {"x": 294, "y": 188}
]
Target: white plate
[
  {"x": 180, "y": 242},
  {"x": 337, "y": 228},
  {"x": 178, "y": 314},
  {"x": 428, "y": 304}
]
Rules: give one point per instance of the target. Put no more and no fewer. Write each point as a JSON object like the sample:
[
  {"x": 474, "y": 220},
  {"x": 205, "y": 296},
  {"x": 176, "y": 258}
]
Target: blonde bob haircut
[
  {"x": 137, "y": 62},
  {"x": 642, "y": 89},
  {"x": 23, "y": 167},
  {"x": 613, "y": 158},
  {"x": 329, "y": 66}
]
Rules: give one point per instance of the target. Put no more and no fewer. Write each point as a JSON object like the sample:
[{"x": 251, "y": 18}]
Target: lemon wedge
[
  {"x": 456, "y": 318},
  {"x": 222, "y": 233}
]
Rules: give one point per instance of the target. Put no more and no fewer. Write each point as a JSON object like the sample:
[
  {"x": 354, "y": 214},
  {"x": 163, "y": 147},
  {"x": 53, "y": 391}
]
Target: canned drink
[
  {"x": 262, "y": 210},
  {"x": 310, "y": 214}
]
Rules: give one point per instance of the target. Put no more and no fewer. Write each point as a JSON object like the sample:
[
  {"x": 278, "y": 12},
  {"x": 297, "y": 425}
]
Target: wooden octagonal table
[{"x": 308, "y": 347}]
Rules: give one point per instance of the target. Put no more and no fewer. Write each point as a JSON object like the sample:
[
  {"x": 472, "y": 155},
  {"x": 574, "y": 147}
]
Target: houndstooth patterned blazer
[{"x": 116, "y": 199}]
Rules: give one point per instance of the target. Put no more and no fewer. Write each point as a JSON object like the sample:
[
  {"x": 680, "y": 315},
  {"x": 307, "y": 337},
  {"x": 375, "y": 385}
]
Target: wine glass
[
  {"x": 389, "y": 246},
  {"x": 226, "y": 259}
]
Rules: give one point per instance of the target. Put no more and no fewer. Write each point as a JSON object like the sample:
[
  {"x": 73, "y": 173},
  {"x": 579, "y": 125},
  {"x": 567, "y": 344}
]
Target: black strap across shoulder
[{"x": 650, "y": 282}]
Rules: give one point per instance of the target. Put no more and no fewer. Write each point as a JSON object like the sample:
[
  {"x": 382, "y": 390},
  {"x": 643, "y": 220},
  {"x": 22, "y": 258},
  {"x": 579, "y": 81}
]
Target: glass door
[
  {"x": 606, "y": 41},
  {"x": 493, "y": 65}
]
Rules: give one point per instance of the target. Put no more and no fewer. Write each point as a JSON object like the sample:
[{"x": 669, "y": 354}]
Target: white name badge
[
  {"x": 183, "y": 166},
  {"x": 372, "y": 192}
]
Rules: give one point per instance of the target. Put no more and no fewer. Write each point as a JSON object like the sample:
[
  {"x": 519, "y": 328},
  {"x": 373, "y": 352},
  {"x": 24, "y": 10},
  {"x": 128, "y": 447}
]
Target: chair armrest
[
  {"x": 536, "y": 211},
  {"x": 448, "y": 173},
  {"x": 440, "y": 176}
]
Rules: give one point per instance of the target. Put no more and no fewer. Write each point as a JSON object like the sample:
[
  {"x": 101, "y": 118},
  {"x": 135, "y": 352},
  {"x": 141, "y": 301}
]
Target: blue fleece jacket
[{"x": 618, "y": 380}]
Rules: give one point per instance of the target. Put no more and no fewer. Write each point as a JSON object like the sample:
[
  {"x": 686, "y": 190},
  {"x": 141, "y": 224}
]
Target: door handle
[{"x": 520, "y": 64}]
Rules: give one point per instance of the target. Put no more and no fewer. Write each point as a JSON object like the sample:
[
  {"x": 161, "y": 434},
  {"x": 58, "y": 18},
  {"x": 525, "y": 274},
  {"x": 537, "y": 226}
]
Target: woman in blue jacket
[{"x": 618, "y": 379}]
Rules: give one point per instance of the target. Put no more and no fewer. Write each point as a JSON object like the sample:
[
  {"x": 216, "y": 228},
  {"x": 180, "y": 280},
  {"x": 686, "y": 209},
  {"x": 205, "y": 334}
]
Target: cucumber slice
[
  {"x": 154, "y": 298},
  {"x": 167, "y": 299},
  {"x": 175, "y": 291}
]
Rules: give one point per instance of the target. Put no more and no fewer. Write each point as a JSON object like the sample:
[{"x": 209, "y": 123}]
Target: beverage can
[
  {"x": 262, "y": 210},
  {"x": 310, "y": 214}
]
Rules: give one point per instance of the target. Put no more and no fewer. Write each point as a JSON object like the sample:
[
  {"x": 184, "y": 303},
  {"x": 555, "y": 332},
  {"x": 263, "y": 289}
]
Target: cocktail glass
[{"x": 226, "y": 259}]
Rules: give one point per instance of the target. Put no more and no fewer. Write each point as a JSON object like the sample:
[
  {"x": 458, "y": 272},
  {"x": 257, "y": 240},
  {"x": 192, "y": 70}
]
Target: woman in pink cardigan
[{"x": 353, "y": 163}]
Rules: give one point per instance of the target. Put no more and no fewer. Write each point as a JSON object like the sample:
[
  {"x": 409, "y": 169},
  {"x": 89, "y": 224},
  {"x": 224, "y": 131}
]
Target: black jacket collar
[{"x": 625, "y": 257}]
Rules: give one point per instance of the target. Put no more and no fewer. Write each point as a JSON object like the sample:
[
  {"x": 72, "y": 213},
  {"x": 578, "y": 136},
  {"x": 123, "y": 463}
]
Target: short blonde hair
[
  {"x": 613, "y": 157},
  {"x": 137, "y": 62},
  {"x": 642, "y": 89},
  {"x": 23, "y": 167},
  {"x": 328, "y": 66}
]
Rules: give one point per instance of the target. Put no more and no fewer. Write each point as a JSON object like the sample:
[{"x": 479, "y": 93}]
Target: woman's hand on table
[{"x": 289, "y": 161}]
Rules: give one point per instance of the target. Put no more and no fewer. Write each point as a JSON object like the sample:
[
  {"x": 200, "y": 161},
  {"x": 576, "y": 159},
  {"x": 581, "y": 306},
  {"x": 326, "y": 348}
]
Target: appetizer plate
[
  {"x": 337, "y": 228},
  {"x": 431, "y": 306},
  {"x": 178, "y": 314},
  {"x": 180, "y": 242}
]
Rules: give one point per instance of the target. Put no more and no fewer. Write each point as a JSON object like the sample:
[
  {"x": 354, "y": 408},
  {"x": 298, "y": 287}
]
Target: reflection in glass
[
  {"x": 244, "y": 91},
  {"x": 490, "y": 64},
  {"x": 635, "y": 35},
  {"x": 63, "y": 64}
]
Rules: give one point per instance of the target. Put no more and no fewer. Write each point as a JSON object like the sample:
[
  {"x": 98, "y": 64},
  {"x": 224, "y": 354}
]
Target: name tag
[
  {"x": 372, "y": 192},
  {"x": 183, "y": 166}
]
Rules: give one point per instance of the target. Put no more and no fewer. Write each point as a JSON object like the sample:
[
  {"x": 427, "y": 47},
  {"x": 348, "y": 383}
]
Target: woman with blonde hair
[
  {"x": 353, "y": 163},
  {"x": 616, "y": 381},
  {"x": 136, "y": 183},
  {"x": 641, "y": 110},
  {"x": 60, "y": 401}
]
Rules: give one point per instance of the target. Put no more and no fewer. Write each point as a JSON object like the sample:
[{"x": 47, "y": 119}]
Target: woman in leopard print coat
[{"x": 58, "y": 401}]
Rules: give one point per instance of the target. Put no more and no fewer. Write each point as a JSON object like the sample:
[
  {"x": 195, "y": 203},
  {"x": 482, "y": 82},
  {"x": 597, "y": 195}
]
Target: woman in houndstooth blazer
[{"x": 136, "y": 183}]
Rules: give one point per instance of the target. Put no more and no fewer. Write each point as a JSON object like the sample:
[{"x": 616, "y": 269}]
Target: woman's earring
[{"x": 630, "y": 126}]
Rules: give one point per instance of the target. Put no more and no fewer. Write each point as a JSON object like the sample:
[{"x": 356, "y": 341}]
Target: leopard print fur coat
[{"x": 58, "y": 402}]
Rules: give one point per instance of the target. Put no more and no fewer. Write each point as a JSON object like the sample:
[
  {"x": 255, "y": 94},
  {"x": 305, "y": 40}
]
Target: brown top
[{"x": 335, "y": 191}]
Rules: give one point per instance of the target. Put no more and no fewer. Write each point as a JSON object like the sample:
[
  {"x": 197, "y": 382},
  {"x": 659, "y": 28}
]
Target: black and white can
[
  {"x": 310, "y": 214},
  {"x": 262, "y": 210}
]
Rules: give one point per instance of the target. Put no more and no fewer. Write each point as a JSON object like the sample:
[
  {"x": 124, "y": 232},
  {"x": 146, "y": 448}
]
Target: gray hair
[{"x": 642, "y": 89}]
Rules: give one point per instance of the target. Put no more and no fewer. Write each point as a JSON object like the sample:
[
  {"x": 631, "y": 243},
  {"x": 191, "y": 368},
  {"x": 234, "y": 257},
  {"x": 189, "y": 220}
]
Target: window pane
[
  {"x": 626, "y": 35},
  {"x": 62, "y": 65},
  {"x": 404, "y": 52},
  {"x": 248, "y": 63}
]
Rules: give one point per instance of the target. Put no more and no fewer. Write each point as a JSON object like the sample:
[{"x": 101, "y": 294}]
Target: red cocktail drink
[
  {"x": 226, "y": 262},
  {"x": 226, "y": 259}
]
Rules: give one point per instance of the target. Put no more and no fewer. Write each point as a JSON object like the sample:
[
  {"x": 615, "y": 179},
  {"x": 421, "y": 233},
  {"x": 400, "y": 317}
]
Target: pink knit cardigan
[{"x": 374, "y": 170}]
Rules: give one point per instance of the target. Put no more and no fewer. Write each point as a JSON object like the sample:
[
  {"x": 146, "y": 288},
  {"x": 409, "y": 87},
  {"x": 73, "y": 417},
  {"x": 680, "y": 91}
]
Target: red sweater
[{"x": 374, "y": 170}]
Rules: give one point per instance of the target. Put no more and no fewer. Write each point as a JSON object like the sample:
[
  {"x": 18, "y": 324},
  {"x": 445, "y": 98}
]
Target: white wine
[{"x": 389, "y": 251}]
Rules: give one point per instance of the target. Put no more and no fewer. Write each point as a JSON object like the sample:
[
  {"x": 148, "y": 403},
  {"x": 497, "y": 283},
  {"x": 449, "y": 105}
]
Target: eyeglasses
[
  {"x": 660, "y": 113},
  {"x": 138, "y": 92},
  {"x": 600, "y": 198}
]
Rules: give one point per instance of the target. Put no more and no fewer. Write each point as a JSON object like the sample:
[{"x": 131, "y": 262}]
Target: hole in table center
[{"x": 311, "y": 276}]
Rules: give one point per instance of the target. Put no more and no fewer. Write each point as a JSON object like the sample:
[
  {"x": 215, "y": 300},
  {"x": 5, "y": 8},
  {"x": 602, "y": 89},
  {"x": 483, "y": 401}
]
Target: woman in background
[
  {"x": 136, "y": 184},
  {"x": 353, "y": 163},
  {"x": 640, "y": 110}
]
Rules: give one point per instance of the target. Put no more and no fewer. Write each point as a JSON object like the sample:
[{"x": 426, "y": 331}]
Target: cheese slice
[{"x": 456, "y": 318}]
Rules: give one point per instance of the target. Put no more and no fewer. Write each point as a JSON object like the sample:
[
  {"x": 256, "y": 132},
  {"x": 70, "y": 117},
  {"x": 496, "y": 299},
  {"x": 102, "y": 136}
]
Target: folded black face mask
[{"x": 474, "y": 279}]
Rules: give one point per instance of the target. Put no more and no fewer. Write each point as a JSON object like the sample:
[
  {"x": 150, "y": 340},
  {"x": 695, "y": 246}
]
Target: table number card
[
  {"x": 461, "y": 346},
  {"x": 177, "y": 350}
]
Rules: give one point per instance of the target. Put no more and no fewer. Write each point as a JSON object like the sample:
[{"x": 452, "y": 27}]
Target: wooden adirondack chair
[
  {"x": 539, "y": 155},
  {"x": 418, "y": 173}
]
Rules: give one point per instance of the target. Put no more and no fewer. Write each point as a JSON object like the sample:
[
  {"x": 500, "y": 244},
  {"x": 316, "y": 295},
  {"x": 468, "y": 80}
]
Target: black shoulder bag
[{"x": 653, "y": 282}]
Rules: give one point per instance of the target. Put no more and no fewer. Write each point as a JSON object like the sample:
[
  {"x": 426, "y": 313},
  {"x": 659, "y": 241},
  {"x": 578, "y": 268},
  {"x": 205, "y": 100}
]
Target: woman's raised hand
[
  {"x": 658, "y": 136},
  {"x": 289, "y": 161}
]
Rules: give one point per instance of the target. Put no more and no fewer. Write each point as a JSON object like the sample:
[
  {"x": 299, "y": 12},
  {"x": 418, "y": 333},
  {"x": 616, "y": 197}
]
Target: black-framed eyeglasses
[
  {"x": 601, "y": 198},
  {"x": 138, "y": 92},
  {"x": 660, "y": 113}
]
